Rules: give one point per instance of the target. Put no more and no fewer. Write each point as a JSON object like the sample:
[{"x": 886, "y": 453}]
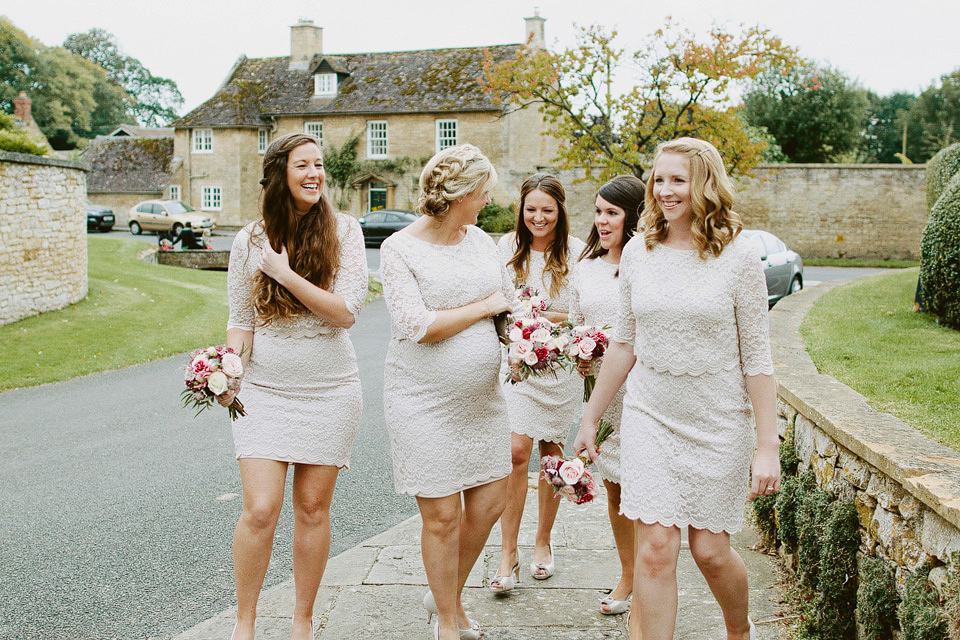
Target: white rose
[
  {"x": 516, "y": 334},
  {"x": 573, "y": 351},
  {"x": 217, "y": 383},
  {"x": 530, "y": 357},
  {"x": 540, "y": 335},
  {"x": 232, "y": 365},
  {"x": 536, "y": 302},
  {"x": 571, "y": 471},
  {"x": 527, "y": 307}
]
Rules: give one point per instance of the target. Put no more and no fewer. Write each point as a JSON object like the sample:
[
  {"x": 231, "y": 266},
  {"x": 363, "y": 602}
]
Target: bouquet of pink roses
[
  {"x": 212, "y": 372},
  {"x": 571, "y": 476},
  {"x": 535, "y": 346},
  {"x": 531, "y": 302},
  {"x": 587, "y": 344}
]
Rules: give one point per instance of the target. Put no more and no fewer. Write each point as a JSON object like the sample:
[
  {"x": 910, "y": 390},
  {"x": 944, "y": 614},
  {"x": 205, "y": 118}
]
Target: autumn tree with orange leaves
[{"x": 678, "y": 86}]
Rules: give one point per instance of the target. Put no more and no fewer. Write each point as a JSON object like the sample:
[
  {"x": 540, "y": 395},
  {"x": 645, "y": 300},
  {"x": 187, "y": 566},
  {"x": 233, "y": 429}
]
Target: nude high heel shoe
[
  {"x": 503, "y": 584},
  {"x": 430, "y": 604},
  {"x": 543, "y": 570}
]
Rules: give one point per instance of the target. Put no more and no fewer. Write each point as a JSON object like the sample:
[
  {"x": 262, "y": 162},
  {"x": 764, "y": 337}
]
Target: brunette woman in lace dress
[
  {"x": 540, "y": 254},
  {"x": 449, "y": 433},
  {"x": 594, "y": 294},
  {"x": 297, "y": 280},
  {"x": 699, "y": 418}
]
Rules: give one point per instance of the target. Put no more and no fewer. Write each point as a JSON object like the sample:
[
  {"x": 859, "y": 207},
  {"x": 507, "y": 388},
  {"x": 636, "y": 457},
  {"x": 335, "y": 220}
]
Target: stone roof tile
[
  {"x": 129, "y": 164},
  {"x": 425, "y": 81}
]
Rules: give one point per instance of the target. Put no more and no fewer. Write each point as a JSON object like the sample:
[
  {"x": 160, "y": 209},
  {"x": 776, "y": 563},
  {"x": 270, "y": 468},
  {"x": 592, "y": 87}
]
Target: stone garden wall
[
  {"x": 43, "y": 235},
  {"x": 875, "y": 211},
  {"x": 906, "y": 486}
]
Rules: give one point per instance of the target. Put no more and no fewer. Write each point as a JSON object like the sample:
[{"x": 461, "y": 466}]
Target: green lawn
[
  {"x": 860, "y": 262},
  {"x": 134, "y": 312},
  {"x": 866, "y": 335}
]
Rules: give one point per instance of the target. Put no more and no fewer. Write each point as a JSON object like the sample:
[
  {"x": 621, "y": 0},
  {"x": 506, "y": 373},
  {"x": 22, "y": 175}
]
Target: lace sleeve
[
  {"x": 625, "y": 325},
  {"x": 753, "y": 327},
  {"x": 408, "y": 313},
  {"x": 575, "y": 315},
  {"x": 351, "y": 282},
  {"x": 240, "y": 275}
]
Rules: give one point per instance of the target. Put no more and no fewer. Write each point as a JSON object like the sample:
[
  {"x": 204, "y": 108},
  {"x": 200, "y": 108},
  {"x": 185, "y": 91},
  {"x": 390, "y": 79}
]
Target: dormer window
[{"x": 325, "y": 84}]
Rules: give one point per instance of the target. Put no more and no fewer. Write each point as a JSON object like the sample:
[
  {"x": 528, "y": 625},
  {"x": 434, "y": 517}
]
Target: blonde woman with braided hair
[
  {"x": 297, "y": 279},
  {"x": 698, "y": 433},
  {"x": 450, "y": 441}
]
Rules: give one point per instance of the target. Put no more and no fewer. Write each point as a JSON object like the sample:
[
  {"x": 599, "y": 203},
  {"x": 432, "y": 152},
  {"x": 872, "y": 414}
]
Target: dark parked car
[
  {"x": 782, "y": 267},
  {"x": 99, "y": 217},
  {"x": 378, "y": 225}
]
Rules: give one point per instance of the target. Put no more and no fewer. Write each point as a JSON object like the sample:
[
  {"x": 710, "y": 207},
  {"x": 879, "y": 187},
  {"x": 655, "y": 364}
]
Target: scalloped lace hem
[
  {"x": 690, "y": 369},
  {"x": 556, "y": 439},
  {"x": 296, "y": 459},
  {"x": 442, "y": 491},
  {"x": 759, "y": 370},
  {"x": 680, "y": 522}
]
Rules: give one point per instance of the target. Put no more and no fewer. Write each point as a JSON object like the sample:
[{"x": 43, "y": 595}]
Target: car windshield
[{"x": 178, "y": 207}]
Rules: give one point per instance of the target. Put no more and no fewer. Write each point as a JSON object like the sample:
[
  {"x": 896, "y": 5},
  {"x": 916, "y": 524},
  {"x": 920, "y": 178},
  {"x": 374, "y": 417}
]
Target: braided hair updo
[{"x": 450, "y": 175}]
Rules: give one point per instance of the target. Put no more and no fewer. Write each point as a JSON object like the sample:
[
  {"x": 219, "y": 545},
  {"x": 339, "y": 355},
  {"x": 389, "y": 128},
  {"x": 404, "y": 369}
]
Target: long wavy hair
[
  {"x": 628, "y": 193},
  {"x": 311, "y": 238},
  {"x": 452, "y": 174},
  {"x": 715, "y": 223},
  {"x": 555, "y": 255}
]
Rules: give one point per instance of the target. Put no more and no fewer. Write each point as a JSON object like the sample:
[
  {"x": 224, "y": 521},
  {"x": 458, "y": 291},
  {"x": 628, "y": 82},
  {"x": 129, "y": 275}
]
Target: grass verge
[
  {"x": 866, "y": 335},
  {"x": 134, "y": 312},
  {"x": 858, "y": 262}
]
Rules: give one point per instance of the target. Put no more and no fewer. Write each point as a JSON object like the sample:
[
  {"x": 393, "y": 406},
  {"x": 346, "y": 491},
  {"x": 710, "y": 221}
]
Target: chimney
[
  {"x": 533, "y": 36},
  {"x": 21, "y": 107},
  {"x": 306, "y": 39}
]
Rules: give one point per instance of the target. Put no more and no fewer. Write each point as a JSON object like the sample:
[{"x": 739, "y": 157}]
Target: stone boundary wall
[
  {"x": 43, "y": 235},
  {"x": 906, "y": 486},
  {"x": 875, "y": 211}
]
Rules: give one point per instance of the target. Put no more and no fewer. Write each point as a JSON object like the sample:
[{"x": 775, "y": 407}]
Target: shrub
[
  {"x": 811, "y": 522},
  {"x": 788, "y": 459},
  {"x": 788, "y": 501},
  {"x": 920, "y": 616},
  {"x": 940, "y": 169},
  {"x": 495, "y": 218},
  {"x": 15, "y": 140},
  {"x": 765, "y": 517},
  {"x": 837, "y": 573},
  {"x": 940, "y": 257},
  {"x": 877, "y": 599}
]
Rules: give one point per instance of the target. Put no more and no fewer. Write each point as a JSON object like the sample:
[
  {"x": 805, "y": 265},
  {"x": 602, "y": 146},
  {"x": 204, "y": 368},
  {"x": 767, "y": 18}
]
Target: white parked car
[{"x": 167, "y": 215}]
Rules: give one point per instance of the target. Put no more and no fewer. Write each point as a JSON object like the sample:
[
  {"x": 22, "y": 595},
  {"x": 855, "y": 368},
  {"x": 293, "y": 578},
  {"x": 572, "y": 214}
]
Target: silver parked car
[{"x": 782, "y": 267}]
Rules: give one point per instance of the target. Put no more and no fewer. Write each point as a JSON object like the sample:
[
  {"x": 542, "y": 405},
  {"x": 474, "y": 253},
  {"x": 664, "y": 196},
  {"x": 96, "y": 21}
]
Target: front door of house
[{"x": 378, "y": 196}]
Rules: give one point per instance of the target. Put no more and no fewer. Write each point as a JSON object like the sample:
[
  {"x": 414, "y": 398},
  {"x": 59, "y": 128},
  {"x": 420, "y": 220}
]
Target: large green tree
[
  {"x": 934, "y": 119},
  {"x": 815, "y": 113},
  {"x": 72, "y": 97},
  {"x": 678, "y": 86},
  {"x": 884, "y": 130},
  {"x": 154, "y": 100}
]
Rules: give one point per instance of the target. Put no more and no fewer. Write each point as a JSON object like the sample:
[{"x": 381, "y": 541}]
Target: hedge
[{"x": 940, "y": 257}]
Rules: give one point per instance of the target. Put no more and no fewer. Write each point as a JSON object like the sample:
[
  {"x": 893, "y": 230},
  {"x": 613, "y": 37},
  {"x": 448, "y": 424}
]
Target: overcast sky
[{"x": 886, "y": 45}]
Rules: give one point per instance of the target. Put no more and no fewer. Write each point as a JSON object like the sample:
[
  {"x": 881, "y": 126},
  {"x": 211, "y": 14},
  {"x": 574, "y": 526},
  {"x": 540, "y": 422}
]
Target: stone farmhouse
[{"x": 400, "y": 108}]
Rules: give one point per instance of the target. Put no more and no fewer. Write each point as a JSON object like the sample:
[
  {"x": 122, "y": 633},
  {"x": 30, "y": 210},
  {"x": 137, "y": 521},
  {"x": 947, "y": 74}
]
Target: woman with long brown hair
[
  {"x": 297, "y": 280},
  {"x": 540, "y": 254}
]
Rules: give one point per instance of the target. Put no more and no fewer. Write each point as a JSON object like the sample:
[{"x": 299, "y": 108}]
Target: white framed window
[
  {"x": 314, "y": 129},
  {"x": 261, "y": 140},
  {"x": 376, "y": 138},
  {"x": 325, "y": 84},
  {"x": 203, "y": 140},
  {"x": 175, "y": 192},
  {"x": 211, "y": 199},
  {"x": 446, "y": 134}
]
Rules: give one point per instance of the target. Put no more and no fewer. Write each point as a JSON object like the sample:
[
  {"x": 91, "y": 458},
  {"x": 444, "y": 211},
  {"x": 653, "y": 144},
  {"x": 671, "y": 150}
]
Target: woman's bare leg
[{"x": 726, "y": 575}]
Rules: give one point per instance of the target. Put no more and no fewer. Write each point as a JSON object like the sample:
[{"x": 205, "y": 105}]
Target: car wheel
[
  {"x": 796, "y": 285},
  {"x": 177, "y": 228},
  {"x": 135, "y": 228}
]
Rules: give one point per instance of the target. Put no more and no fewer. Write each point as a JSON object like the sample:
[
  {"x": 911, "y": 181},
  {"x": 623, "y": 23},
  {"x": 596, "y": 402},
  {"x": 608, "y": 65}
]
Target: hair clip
[{"x": 701, "y": 152}]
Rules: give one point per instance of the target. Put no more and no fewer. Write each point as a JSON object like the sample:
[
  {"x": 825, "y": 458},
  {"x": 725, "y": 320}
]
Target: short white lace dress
[
  {"x": 301, "y": 389},
  {"x": 443, "y": 406},
  {"x": 688, "y": 433},
  {"x": 543, "y": 407},
  {"x": 594, "y": 301}
]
